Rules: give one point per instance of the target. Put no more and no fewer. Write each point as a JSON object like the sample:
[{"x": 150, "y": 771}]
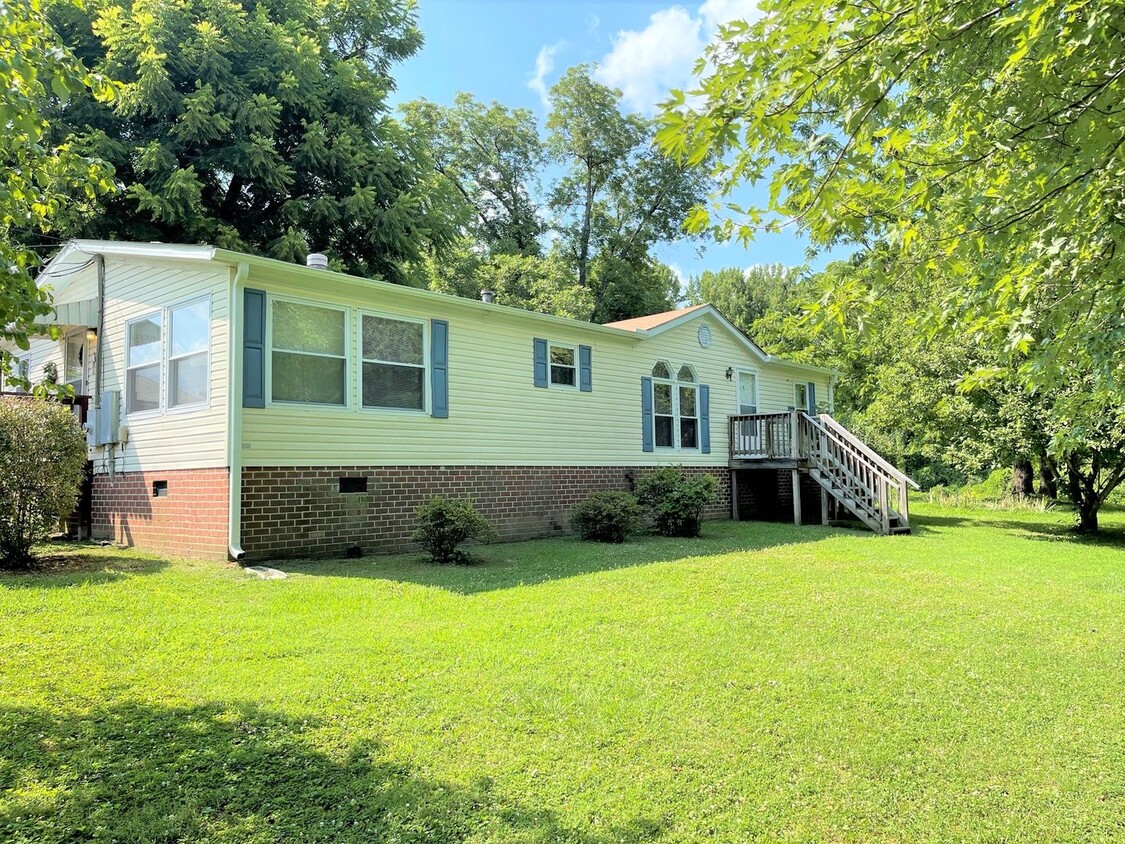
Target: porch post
[
  {"x": 734, "y": 494},
  {"x": 823, "y": 506},
  {"x": 796, "y": 496}
]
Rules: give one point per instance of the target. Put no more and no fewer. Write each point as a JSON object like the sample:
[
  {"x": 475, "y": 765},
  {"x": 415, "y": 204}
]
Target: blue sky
[{"x": 512, "y": 51}]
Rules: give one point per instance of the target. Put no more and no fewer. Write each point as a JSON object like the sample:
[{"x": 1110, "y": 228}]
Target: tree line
[{"x": 971, "y": 155}]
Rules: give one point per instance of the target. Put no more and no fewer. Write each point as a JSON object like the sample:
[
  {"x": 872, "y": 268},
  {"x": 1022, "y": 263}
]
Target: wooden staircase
[{"x": 865, "y": 484}]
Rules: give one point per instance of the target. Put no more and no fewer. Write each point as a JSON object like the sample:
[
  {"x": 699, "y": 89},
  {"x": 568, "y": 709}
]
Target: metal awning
[{"x": 84, "y": 313}]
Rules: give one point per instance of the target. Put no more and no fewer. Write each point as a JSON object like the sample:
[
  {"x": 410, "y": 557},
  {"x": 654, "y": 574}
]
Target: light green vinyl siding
[{"x": 496, "y": 414}]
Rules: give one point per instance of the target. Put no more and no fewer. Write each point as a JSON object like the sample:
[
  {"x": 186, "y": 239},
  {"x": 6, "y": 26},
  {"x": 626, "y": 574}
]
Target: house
[{"x": 243, "y": 406}]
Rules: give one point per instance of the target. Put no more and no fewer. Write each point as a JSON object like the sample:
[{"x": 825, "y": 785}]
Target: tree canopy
[
  {"x": 986, "y": 141},
  {"x": 36, "y": 177},
  {"x": 261, "y": 127}
]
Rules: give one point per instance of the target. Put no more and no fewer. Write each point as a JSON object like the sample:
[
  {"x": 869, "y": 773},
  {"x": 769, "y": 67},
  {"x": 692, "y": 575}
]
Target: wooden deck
[{"x": 847, "y": 470}]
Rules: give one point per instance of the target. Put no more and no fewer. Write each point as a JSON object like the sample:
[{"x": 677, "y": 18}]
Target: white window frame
[
  {"x": 802, "y": 405},
  {"x": 67, "y": 339},
  {"x": 21, "y": 367},
  {"x": 675, "y": 385},
  {"x": 349, "y": 355},
  {"x": 169, "y": 357},
  {"x": 159, "y": 409},
  {"x": 554, "y": 344},
  {"x": 425, "y": 367}
]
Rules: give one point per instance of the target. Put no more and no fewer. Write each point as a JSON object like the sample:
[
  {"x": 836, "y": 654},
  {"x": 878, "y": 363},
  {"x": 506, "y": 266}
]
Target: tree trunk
[
  {"x": 587, "y": 221},
  {"x": 1048, "y": 476},
  {"x": 1082, "y": 490},
  {"x": 1088, "y": 517},
  {"x": 1022, "y": 472}
]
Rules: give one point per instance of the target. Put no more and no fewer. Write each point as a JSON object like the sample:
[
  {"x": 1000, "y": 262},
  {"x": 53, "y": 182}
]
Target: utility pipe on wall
[{"x": 234, "y": 413}]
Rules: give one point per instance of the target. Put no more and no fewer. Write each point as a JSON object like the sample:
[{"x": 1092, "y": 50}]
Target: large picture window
[
  {"x": 190, "y": 328},
  {"x": 675, "y": 406},
  {"x": 394, "y": 363},
  {"x": 308, "y": 353},
  {"x": 144, "y": 359}
]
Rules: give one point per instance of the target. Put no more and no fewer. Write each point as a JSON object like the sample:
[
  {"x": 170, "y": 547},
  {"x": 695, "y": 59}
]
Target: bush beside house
[
  {"x": 42, "y": 458},
  {"x": 676, "y": 500},
  {"x": 607, "y": 516},
  {"x": 444, "y": 523}
]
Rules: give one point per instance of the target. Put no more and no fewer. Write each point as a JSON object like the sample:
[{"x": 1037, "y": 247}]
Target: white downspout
[{"x": 234, "y": 413}]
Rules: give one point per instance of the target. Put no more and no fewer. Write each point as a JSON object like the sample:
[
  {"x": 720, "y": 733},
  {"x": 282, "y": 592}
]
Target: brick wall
[
  {"x": 767, "y": 495},
  {"x": 300, "y": 511},
  {"x": 189, "y": 521}
]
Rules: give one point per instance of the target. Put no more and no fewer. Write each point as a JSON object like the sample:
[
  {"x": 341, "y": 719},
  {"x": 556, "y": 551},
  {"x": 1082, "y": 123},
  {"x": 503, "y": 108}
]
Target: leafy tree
[
  {"x": 619, "y": 194},
  {"x": 258, "y": 126},
  {"x": 493, "y": 157},
  {"x": 35, "y": 176},
  {"x": 985, "y": 141},
  {"x": 981, "y": 145},
  {"x": 42, "y": 457},
  {"x": 746, "y": 296}
]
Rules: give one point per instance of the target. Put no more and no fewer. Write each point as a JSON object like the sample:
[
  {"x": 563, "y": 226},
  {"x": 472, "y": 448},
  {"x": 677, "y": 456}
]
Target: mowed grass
[{"x": 766, "y": 682}]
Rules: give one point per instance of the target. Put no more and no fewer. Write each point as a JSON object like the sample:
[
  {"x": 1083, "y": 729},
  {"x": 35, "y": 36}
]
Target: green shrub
[
  {"x": 676, "y": 499},
  {"x": 42, "y": 459},
  {"x": 444, "y": 523},
  {"x": 606, "y": 516}
]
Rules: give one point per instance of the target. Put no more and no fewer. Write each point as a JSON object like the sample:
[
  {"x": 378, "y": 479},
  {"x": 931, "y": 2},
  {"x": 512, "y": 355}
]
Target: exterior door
[
  {"x": 747, "y": 392},
  {"x": 749, "y": 437}
]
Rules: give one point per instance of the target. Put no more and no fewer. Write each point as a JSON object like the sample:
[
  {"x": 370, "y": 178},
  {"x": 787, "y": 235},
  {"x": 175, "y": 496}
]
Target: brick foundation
[
  {"x": 300, "y": 511},
  {"x": 190, "y": 521},
  {"x": 766, "y": 495}
]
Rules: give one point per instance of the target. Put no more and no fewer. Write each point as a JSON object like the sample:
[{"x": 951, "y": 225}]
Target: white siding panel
[
  {"x": 173, "y": 439},
  {"x": 496, "y": 414}
]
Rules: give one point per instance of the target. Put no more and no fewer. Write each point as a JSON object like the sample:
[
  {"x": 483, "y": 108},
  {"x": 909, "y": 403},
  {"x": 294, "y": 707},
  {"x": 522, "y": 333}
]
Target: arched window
[{"x": 675, "y": 407}]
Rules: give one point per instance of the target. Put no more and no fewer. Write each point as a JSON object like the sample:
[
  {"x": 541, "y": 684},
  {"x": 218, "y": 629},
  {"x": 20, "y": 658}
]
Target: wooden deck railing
[{"x": 758, "y": 436}]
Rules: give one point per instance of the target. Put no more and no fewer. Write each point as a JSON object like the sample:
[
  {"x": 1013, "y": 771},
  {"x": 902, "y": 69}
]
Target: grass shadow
[
  {"x": 1033, "y": 526},
  {"x": 143, "y": 772},
  {"x": 528, "y": 563},
  {"x": 59, "y": 565}
]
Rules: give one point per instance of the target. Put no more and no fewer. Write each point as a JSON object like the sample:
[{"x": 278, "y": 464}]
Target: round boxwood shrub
[
  {"x": 441, "y": 524},
  {"x": 606, "y": 516},
  {"x": 676, "y": 499},
  {"x": 42, "y": 460}
]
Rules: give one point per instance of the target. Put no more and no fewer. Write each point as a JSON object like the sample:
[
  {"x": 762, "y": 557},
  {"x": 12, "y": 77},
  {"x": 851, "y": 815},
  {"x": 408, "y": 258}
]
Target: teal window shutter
[
  {"x": 539, "y": 349},
  {"x": 439, "y": 368},
  {"x": 585, "y": 378},
  {"x": 646, "y": 414},
  {"x": 812, "y": 399},
  {"x": 253, "y": 348},
  {"x": 704, "y": 419}
]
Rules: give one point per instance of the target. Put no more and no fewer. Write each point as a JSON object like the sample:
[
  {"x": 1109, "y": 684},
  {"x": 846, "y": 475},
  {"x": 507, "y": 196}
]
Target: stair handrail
[
  {"x": 830, "y": 423},
  {"x": 883, "y": 472}
]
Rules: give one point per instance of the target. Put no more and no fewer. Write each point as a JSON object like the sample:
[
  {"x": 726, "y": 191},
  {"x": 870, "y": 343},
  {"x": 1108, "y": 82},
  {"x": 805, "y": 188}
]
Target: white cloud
[
  {"x": 717, "y": 12},
  {"x": 592, "y": 24},
  {"x": 680, "y": 275},
  {"x": 544, "y": 64},
  {"x": 646, "y": 64}
]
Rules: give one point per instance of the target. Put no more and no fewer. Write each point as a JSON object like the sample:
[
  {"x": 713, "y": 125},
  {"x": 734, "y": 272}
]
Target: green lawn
[{"x": 767, "y": 682}]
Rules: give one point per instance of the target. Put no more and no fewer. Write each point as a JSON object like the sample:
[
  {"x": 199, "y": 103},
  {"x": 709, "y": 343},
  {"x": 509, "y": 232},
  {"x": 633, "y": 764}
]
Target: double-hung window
[
  {"x": 175, "y": 341},
  {"x": 394, "y": 362},
  {"x": 688, "y": 407},
  {"x": 144, "y": 363},
  {"x": 564, "y": 365},
  {"x": 309, "y": 358},
  {"x": 675, "y": 407},
  {"x": 190, "y": 336}
]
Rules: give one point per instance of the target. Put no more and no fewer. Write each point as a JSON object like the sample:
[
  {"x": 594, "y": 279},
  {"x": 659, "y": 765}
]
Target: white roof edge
[
  {"x": 757, "y": 350},
  {"x": 184, "y": 251},
  {"x": 235, "y": 258}
]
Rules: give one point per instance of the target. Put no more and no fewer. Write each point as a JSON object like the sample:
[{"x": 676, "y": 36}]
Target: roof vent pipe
[
  {"x": 486, "y": 296},
  {"x": 317, "y": 260}
]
